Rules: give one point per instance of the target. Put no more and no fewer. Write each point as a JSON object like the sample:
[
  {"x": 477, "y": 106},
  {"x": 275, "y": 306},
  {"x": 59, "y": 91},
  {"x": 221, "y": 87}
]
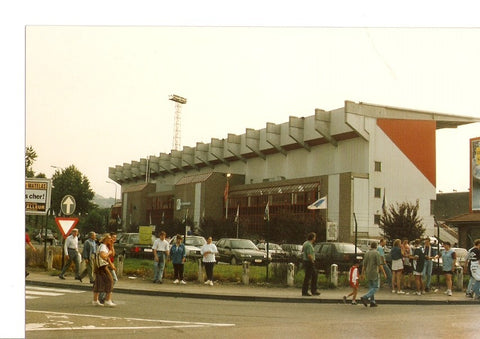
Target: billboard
[
  {"x": 475, "y": 175},
  {"x": 37, "y": 196}
]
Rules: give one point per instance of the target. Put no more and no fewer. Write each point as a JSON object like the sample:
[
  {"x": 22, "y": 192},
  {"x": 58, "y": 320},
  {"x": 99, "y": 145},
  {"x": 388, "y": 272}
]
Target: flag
[
  {"x": 320, "y": 204},
  {"x": 267, "y": 213},
  {"x": 150, "y": 218},
  {"x": 384, "y": 202},
  {"x": 237, "y": 216},
  {"x": 163, "y": 218}
]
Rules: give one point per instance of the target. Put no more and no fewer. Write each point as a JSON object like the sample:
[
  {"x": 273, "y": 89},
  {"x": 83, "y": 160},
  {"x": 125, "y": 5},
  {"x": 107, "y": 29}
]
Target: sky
[
  {"x": 87, "y": 83},
  {"x": 97, "y": 96}
]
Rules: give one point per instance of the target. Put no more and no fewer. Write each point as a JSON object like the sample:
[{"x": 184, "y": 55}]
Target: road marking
[
  {"x": 167, "y": 323},
  {"x": 37, "y": 292}
]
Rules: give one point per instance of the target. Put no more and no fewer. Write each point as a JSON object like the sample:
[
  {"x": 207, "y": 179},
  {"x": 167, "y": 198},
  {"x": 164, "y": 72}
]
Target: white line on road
[
  {"x": 62, "y": 290},
  {"x": 174, "y": 323}
]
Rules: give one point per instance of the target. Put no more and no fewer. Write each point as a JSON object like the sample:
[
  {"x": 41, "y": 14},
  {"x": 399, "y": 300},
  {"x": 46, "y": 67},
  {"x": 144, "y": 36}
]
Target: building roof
[
  {"x": 135, "y": 188},
  {"x": 464, "y": 218},
  {"x": 193, "y": 179}
]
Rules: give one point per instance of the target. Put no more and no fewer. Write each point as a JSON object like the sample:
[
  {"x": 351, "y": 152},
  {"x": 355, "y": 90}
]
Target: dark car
[
  {"x": 235, "y": 251},
  {"x": 129, "y": 245},
  {"x": 275, "y": 252},
  {"x": 294, "y": 252},
  {"x": 340, "y": 253}
]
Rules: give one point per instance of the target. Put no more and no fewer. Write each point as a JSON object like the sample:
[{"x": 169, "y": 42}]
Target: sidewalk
[{"x": 231, "y": 291}]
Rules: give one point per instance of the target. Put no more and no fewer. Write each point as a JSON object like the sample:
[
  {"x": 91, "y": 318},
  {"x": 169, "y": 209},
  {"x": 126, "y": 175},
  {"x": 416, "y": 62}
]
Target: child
[{"x": 354, "y": 282}]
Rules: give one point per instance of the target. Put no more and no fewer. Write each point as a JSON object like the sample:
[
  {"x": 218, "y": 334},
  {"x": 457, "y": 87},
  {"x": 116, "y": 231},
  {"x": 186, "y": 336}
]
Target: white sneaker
[
  {"x": 449, "y": 293},
  {"x": 418, "y": 293},
  {"x": 175, "y": 281},
  {"x": 183, "y": 282},
  {"x": 109, "y": 303},
  {"x": 393, "y": 291},
  {"x": 207, "y": 282},
  {"x": 211, "y": 283},
  {"x": 96, "y": 303},
  {"x": 400, "y": 292}
]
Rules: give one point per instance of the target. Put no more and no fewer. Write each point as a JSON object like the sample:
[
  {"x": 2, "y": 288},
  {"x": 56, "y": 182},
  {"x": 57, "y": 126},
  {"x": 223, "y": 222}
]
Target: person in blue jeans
[
  {"x": 430, "y": 253},
  {"x": 372, "y": 264},
  {"x": 381, "y": 250}
]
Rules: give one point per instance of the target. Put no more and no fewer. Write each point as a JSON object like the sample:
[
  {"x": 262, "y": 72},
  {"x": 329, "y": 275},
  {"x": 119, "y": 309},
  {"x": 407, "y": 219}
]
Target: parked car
[
  {"x": 364, "y": 244},
  {"x": 235, "y": 251},
  {"x": 193, "y": 244},
  {"x": 340, "y": 253},
  {"x": 294, "y": 252},
  {"x": 129, "y": 245},
  {"x": 51, "y": 238},
  {"x": 275, "y": 252}
]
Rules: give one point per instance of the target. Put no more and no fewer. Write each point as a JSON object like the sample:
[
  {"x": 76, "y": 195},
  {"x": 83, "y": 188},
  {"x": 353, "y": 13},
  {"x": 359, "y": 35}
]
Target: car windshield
[
  {"x": 347, "y": 248},
  {"x": 134, "y": 239},
  {"x": 195, "y": 241},
  {"x": 243, "y": 244}
]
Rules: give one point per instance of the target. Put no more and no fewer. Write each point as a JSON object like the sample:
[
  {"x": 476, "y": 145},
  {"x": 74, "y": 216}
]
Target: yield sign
[{"x": 66, "y": 225}]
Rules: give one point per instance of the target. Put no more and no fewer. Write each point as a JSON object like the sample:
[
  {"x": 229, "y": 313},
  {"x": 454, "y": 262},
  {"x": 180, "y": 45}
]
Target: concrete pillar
[
  {"x": 246, "y": 273},
  {"x": 200, "y": 271},
  {"x": 49, "y": 262},
  {"x": 334, "y": 275},
  {"x": 291, "y": 274},
  {"x": 119, "y": 265},
  {"x": 459, "y": 275}
]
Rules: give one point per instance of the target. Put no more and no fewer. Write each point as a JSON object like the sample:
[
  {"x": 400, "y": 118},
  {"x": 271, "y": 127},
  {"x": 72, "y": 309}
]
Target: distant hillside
[{"x": 103, "y": 202}]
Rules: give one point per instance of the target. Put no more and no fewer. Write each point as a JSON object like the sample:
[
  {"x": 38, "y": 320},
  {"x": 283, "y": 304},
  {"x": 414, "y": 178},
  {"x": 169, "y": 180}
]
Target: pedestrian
[
  {"x": 111, "y": 258},
  {"x": 88, "y": 255},
  {"x": 208, "y": 252},
  {"x": 386, "y": 268},
  {"x": 161, "y": 251},
  {"x": 418, "y": 261},
  {"x": 354, "y": 282},
  {"x": 103, "y": 277},
  {"x": 397, "y": 266},
  {"x": 473, "y": 255},
  {"x": 372, "y": 264},
  {"x": 407, "y": 265},
  {"x": 178, "y": 256},
  {"x": 449, "y": 258},
  {"x": 474, "y": 269},
  {"x": 311, "y": 275},
  {"x": 71, "y": 250},
  {"x": 430, "y": 254},
  {"x": 28, "y": 241}
]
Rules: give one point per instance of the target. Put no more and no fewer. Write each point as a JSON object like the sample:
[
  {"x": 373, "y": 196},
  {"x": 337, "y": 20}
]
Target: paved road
[{"x": 68, "y": 313}]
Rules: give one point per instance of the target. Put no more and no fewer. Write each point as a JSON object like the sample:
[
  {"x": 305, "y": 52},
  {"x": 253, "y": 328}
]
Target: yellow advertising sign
[{"x": 145, "y": 235}]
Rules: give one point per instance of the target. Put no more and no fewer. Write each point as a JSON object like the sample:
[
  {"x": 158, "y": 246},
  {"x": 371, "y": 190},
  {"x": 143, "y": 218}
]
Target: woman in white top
[
  {"x": 103, "y": 277},
  {"x": 208, "y": 251}
]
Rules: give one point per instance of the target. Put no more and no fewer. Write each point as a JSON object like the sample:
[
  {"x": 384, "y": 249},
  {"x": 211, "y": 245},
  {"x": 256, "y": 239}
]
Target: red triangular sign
[{"x": 66, "y": 225}]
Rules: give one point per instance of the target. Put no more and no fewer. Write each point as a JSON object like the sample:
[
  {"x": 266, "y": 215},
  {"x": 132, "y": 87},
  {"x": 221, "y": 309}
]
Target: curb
[{"x": 309, "y": 300}]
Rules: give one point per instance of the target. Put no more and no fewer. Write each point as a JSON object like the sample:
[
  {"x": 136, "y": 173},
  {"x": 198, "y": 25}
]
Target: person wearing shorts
[
  {"x": 397, "y": 267},
  {"x": 418, "y": 262}
]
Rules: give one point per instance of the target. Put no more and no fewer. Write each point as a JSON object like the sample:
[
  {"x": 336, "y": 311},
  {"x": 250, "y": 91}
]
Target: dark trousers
[
  {"x": 311, "y": 277},
  {"x": 209, "y": 270},
  {"x": 178, "y": 271}
]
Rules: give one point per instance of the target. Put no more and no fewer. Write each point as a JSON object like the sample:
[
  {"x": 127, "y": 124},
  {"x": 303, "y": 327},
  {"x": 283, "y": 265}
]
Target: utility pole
[{"x": 177, "y": 128}]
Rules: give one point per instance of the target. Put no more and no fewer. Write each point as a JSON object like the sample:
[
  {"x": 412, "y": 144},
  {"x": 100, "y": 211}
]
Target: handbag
[
  {"x": 475, "y": 270},
  {"x": 100, "y": 261}
]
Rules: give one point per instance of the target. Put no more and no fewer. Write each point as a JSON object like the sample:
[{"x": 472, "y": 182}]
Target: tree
[
  {"x": 402, "y": 222},
  {"x": 70, "y": 181},
  {"x": 30, "y": 157}
]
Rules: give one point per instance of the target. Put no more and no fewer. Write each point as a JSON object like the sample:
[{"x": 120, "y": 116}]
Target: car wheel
[{"x": 233, "y": 261}]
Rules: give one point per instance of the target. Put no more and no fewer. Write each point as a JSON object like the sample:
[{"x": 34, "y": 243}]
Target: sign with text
[
  {"x": 145, "y": 234},
  {"x": 37, "y": 195},
  {"x": 66, "y": 225}
]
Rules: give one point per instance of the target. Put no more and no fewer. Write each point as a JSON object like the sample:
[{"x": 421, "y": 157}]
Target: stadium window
[
  {"x": 378, "y": 192},
  {"x": 378, "y": 166},
  {"x": 376, "y": 219}
]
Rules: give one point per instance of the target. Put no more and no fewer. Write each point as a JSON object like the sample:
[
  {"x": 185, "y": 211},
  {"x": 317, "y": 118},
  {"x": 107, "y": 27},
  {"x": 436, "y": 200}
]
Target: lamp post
[
  {"x": 110, "y": 182},
  {"x": 227, "y": 188}
]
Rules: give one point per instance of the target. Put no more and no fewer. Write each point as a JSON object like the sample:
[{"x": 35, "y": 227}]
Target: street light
[{"x": 109, "y": 182}]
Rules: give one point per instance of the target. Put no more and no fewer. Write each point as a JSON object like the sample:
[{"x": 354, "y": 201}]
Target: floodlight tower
[{"x": 177, "y": 132}]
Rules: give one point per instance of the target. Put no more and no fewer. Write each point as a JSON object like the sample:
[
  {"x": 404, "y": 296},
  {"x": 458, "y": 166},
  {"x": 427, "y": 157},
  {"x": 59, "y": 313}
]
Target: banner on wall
[{"x": 475, "y": 175}]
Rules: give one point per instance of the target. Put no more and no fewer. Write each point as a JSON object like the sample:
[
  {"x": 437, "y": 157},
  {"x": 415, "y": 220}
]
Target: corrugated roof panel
[{"x": 191, "y": 179}]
